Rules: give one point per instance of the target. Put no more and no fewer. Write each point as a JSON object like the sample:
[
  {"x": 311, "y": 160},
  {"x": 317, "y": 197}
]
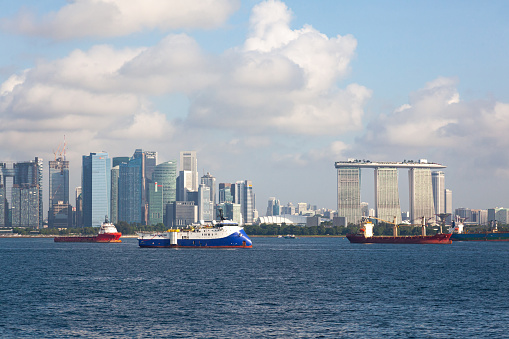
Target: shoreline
[{"x": 11, "y": 236}]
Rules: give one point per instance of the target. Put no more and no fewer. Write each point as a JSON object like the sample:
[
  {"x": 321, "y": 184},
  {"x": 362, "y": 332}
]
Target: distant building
[
  {"x": 188, "y": 162},
  {"x": 386, "y": 194},
  {"x": 155, "y": 203},
  {"x": 421, "y": 194},
  {"x": 165, "y": 174},
  {"x": 438, "y": 182},
  {"x": 205, "y": 205},
  {"x": 181, "y": 214},
  {"x": 60, "y": 212},
  {"x": 130, "y": 191},
  {"x": 96, "y": 188},
  {"x": 225, "y": 193},
  {"x": 349, "y": 194},
  {"x": 25, "y": 205},
  {"x": 115, "y": 173}
]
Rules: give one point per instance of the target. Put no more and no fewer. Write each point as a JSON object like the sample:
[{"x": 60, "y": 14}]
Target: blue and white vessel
[{"x": 226, "y": 234}]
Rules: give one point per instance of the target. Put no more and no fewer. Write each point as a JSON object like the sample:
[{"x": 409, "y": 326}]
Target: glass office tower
[{"x": 96, "y": 188}]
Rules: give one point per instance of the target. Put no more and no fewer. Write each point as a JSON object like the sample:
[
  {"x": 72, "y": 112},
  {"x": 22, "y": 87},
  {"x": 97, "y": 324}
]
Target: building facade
[
  {"x": 60, "y": 211},
  {"x": 349, "y": 194},
  {"x": 387, "y": 194},
  {"x": 96, "y": 188}
]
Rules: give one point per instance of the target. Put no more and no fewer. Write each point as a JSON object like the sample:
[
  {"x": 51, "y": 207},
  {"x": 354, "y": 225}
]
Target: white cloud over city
[{"x": 281, "y": 96}]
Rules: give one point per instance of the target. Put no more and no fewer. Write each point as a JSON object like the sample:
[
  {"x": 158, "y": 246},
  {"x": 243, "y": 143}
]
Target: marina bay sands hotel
[{"x": 387, "y": 205}]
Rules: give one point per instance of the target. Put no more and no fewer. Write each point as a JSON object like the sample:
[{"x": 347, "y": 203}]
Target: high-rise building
[
  {"x": 60, "y": 212},
  {"x": 96, "y": 188},
  {"x": 181, "y": 213},
  {"x": 28, "y": 181},
  {"x": 184, "y": 185},
  {"x": 205, "y": 205},
  {"x": 387, "y": 195},
  {"x": 165, "y": 174},
  {"x": 349, "y": 193},
  {"x": 225, "y": 193},
  {"x": 130, "y": 191},
  {"x": 78, "y": 216},
  {"x": 115, "y": 173},
  {"x": 421, "y": 195},
  {"x": 438, "y": 182},
  {"x": 188, "y": 162},
  {"x": 273, "y": 207},
  {"x": 209, "y": 181},
  {"x": 448, "y": 205},
  {"x": 25, "y": 205},
  {"x": 155, "y": 203},
  {"x": 248, "y": 202}
]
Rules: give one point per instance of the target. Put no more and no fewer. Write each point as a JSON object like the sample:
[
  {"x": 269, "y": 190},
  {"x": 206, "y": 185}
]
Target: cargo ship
[
  {"x": 107, "y": 233},
  {"x": 225, "y": 234},
  {"x": 459, "y": 234},
  {"x": 366, "y": 237}
]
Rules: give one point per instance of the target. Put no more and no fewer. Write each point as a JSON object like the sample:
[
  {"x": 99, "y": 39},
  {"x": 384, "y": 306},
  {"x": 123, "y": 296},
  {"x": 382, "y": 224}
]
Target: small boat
[
  {"x": 107, "y": 233},
  {"x": 290, "y": 236}
]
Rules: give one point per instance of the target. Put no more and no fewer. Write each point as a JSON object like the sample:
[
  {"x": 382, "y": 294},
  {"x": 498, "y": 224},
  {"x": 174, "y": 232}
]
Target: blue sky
[{"x": 270, "y": 91}]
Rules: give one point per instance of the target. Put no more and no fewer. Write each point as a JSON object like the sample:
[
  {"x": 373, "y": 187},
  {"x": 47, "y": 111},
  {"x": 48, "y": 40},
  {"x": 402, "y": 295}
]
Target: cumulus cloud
[
  {"x": 110, "y": 18},
  {"x": 436, "y": 121},
  {"x": 284, "y": 80}
]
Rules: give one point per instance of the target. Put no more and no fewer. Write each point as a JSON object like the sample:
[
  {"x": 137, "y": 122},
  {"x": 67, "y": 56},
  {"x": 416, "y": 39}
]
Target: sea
[{"x": 281, "y": 288}]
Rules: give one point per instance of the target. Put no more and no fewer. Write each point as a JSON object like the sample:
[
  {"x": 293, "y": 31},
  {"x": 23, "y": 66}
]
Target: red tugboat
[
  {"x": 366, "y": 236},
  {"x": 107, "y": 233}
]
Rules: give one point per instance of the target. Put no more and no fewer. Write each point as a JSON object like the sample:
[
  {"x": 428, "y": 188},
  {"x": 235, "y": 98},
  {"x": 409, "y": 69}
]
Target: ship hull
[
  {"x": 235, "y": 240},
  {"x": 487, "y": 236},
  {"x": 102, "y": 238},
  {"x": 417, "y": 239}
]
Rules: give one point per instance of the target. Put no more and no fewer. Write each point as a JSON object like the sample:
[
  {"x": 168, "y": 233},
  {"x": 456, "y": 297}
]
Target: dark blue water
[{"x": 281, "y": 288}]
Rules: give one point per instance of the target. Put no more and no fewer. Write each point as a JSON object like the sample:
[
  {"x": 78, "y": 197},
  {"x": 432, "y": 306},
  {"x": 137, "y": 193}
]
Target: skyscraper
[
  {"x": 130, "y": 191},
  {"x": 270, "y": 206},
  {"x": 349, "y": 193},
  {"x": 188, "y": 162},
  {"x": 155, "y": 203},
  {"x": 248, "y": 202},
  {"x": 28, "y": 182},
  {"x": 438, "y": 182},
  {"x": 115, "y": 172},
  {"x": 165, "y": 174},
  {"x": 386, "y": 194},
  {"x": 225, "y": 193},
  {"x": 96, "y": 188},
  {"x": 421, "y": 194},
  {"x": 210, "y": 181},
  {"x": 60, "y": 212},
  {"x": 205, "y": 205}
]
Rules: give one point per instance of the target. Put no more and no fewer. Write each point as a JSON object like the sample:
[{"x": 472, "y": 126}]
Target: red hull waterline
[
  {"x": 417, "y": 239},
  {"x": 109, "y": 237}
]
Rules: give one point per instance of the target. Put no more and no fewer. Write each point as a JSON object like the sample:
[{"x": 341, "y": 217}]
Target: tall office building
[
  {"x": 349, "y": 193},
  {"x": 60, "y": 212},
  {"x": 438, "y": 182},
  {"x": 28, "y": 181},
  {"x": 270, "y": 206},
  {"x": 205, "y": 205},
  {"x": 78, "y": 216},
  {"x": 155, "y": 203},
  {"x": 210, "y": 181},
  {"x": 165, "y": 174},
  {"x": 421, "y": 195},
  {"x": 25, "y": 205},
  {"x": 188, "y": 162},
  {"x": 3, "y": 206},
  {"x": 115, "y": 173},
  {"x": 448, "y": 205},
  {"x": 225, "y": 193},
  {"x": 96, "y": 188},
  {"x": 130, "y": 191},
  {"x": 386, "y": 194},
  {"x": 248, "y": 202},
  {"x": 184, "y": 185}
]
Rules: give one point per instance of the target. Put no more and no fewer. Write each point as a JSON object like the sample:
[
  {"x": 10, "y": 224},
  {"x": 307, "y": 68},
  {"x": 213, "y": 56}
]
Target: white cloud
[{"x": 110, "y": 18}]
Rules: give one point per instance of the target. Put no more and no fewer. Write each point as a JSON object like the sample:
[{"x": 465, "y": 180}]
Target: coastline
[{"x": 131, "y": 236}]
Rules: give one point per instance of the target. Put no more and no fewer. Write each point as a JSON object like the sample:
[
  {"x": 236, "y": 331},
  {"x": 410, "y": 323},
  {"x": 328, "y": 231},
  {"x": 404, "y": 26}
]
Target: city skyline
[{"x": 272, "y": 91}]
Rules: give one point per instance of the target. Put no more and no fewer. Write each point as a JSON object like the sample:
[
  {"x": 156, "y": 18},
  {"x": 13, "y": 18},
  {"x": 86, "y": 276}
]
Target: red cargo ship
[
  {"x": 107, "y": 233},
  {"x": 366, "y": 237}
]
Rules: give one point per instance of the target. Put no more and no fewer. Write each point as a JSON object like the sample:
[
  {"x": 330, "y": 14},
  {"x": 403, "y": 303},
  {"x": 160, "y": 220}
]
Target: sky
[{"x": 269, "y": 91}]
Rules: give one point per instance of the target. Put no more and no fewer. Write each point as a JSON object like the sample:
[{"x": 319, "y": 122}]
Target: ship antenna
[{"x": 220, "y": 212}]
